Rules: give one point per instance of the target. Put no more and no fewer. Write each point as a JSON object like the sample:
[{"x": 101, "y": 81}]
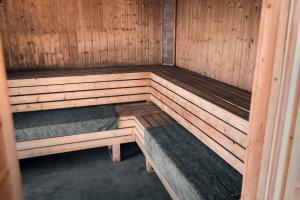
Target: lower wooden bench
[
  {"x": 58, "y": 131},
  {"x": 143, "y": 116},
  {"x": 190, "y": 168},
  {"x": 133, "y": 118},
  {"x": 186, "y": 166}
]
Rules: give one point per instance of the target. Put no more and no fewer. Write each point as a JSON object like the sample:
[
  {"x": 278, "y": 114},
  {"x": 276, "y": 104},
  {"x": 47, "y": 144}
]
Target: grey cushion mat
[
  {"x": 56, "y": 123},
  {"x": 189, "y": 166}
]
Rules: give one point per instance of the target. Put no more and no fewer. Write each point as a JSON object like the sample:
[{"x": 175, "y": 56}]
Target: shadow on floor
[{"x": 89, "y": 175}]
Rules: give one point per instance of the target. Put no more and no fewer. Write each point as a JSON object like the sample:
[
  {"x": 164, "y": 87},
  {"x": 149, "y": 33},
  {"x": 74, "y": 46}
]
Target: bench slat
[
  {"x": 77, "y": 95},
  {"x": 76, "y": 79},
  {"x": 79, "y": 103},
  {"x": 74, "y": 146},
  {"x": 33, "y": 144},
  {"x": 77, "y": 87}
]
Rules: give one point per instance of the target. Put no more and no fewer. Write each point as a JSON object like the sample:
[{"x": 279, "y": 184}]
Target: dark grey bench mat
[
  {"x": 62, "y": 122},
  {"x": 189, "y": 166}
]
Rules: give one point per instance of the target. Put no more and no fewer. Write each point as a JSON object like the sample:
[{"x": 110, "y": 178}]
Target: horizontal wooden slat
[
  {"x": 128, "y": 108},
  {"x": 79, "y": 103},
  {"x": 33, "y": 144},
  {"x": 226, "y": 116},
  {"x": 77, "y": 95},
  {"x": 74, "y": 146},
  {"x": 77, "y": 87},
  {"x": 136, "y": 110},
  {"x": 151, "y": 120},
  {"x": 219, "y": 149},
  {"x": 126, "y": 123},
  {"x": 77, "y": 79}
]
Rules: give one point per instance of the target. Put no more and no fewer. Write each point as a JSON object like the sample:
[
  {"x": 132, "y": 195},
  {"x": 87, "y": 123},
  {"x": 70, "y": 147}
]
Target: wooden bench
[
  {"x": 143, "y": 116},
  {"x": 48, "y": 90},
  {"x": 154, "y": 129},
  {"x": 214, "y": 112},
  {"x": 56, "y": 131},
  {"x": 31, "y": 91}
]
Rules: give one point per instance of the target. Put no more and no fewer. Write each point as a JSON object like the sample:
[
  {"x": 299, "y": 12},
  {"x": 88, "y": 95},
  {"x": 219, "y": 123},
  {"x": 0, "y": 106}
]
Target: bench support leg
[
  {"x": 149, "y": 167},
  {"x": 115, "y": 152}
]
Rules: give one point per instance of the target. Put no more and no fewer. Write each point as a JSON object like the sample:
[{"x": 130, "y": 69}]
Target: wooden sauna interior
[
  {"x": 190, "y": 62},
  {"x": 215, "y": 38}
]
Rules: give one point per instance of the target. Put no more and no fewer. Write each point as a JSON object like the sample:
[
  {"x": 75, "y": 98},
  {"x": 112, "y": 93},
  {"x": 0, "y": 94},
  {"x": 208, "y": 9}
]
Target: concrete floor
[{"x": 89, "y": 175}]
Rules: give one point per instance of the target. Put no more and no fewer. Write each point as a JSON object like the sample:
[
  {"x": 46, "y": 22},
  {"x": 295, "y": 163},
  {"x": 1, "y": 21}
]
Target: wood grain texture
[
  {"x": 218, "y": 119},
  {"x": 272, "y": 108},
  {"x": 218, "y": 39},
  {"x": 80, "y": 34},
  {"x": 10, "y": 179}
]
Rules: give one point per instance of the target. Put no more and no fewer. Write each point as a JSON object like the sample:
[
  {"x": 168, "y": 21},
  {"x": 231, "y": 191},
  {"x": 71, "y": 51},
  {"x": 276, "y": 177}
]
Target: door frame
[
  {"x": 10, "y": 178},
  {"x": 275, "y": 100}
]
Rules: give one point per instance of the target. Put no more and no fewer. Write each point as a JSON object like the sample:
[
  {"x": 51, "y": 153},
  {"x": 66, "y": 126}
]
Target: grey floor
[{"x": 90, "y": 174}]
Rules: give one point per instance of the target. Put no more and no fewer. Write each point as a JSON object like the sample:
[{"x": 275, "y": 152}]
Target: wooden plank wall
[
  {"x": 81, "y": 33},
  {"x": 218, "y": 38}
]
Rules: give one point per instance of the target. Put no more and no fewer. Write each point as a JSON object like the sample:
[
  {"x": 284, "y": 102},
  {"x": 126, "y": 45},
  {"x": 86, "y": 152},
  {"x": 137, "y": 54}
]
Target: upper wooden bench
[{"x": 216, "y": 113}]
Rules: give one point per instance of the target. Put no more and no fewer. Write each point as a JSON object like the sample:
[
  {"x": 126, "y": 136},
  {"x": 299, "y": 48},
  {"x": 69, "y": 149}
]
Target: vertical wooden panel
[
  {"x": 71, "y": 32},
  {"x": 132, "y": 29},
  {"x": 158, "y": 21},
  {"x": 152, "y": 31},
  {"x": 117, "y": 9},
  {"x": 125, "y": 31},
  {"x": 10, "y": 180},
  {"x": 103, "y": 31},
  {"x": 145, "y": 31},
  {"x": 81, "y": 33},
  {"x": 218, "y": 38},
  {"x": 275, "y": 102},
  {"x": 139, "y": 26},
  {"x": 79, "y": 28}
]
